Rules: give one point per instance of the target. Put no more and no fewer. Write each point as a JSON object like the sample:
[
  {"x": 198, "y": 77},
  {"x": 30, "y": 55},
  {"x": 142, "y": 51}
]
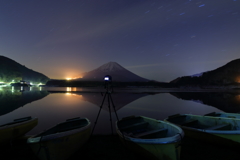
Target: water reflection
[
  {"x": 119, "y": 99},
  {"x": 225, "y": 101},
  {"x": 12, "y": 99},
  {"x": 52, "y": 107}
]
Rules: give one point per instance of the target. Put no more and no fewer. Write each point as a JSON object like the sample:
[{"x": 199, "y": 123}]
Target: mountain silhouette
[
  {"x": 228, "y": 74},
  {"x": 11, "y": 70},
  {"x": 116, "y": 71}
]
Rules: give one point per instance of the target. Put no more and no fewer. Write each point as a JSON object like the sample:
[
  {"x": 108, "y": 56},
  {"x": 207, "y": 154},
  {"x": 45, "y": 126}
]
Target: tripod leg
[
  {"x": 114, "y": 107},
  {"x": 99, "y": 112},
  {"x": 117, "y": 117},
  {"x": 109, "y": 107}
]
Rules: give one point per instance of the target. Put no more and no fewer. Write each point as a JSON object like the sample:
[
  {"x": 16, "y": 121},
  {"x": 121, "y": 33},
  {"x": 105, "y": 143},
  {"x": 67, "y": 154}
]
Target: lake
[{"x": 52, "y": 105}]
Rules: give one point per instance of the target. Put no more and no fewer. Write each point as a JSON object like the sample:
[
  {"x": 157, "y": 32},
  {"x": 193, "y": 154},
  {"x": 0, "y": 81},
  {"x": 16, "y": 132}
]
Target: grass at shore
[{"x": 100, "y": 147}]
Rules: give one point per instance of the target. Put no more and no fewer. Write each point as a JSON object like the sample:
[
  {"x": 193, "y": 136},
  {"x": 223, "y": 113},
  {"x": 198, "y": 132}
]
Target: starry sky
[{"x": 155, "y": 39}]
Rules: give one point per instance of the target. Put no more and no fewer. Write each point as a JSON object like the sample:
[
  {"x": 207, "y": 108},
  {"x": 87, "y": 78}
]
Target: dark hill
[
  {"x": 228, "y": 74},
  {"x": 11, "y": 70}
]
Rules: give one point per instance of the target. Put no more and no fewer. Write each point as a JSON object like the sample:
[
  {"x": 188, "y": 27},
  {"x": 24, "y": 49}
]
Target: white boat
[
  {"x": 215, "y": 130},
  {"x": 152, "y": 138}
]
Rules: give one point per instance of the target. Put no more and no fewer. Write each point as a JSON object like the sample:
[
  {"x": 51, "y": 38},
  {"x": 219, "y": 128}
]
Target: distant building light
[{"x": 23, "y": 82}]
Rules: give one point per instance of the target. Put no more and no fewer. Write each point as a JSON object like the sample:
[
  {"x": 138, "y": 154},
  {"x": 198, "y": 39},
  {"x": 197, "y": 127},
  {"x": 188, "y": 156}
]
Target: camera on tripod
[
  {"x": 108, "y": 82},
  {"x": 109, "y": 89},
  {"x": 107, "y": 78}
]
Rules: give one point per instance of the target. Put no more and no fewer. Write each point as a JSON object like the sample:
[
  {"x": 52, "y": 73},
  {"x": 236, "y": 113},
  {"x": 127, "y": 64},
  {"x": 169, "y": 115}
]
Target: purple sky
[{"x": 155, "y": 39}]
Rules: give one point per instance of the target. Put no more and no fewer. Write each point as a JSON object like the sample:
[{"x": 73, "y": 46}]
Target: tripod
[{"x": 107, "y": 94}]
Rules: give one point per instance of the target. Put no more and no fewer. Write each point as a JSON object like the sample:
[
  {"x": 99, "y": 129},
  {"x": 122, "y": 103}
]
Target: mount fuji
[{"x": 116, "y": 71}]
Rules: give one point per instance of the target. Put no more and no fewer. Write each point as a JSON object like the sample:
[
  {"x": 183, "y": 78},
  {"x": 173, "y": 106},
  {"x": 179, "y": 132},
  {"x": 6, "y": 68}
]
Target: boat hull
[
  {"x": 169, "y": 151},
  {"x": 59, "y": 146},
  {"x": 223, "y": 115},
  {"x": 229, "y": 136},
  {"x": 156, "y": 148},
  {"x": 215, "y": 139},
  {"x": 13, "y": 130}
]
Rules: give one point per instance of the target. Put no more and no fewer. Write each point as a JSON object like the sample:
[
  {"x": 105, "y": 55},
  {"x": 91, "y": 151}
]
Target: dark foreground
[{"x": 110, "y": 148}]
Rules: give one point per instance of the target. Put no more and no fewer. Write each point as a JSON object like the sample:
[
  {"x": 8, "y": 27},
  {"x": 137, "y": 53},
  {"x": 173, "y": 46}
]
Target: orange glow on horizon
[
  {"x": 237, "y": 98},
  {"x": 237, "y": 79}
]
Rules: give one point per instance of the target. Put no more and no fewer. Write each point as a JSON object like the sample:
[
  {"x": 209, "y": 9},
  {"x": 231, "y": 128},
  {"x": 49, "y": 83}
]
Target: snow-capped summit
[
  {"x": 110, "y": 67},
  {"x": 115, "y": 70}
]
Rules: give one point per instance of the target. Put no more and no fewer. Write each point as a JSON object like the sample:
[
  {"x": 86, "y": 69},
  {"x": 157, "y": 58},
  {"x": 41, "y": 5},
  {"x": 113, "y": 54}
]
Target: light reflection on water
[{"x": 54, "y": 108}]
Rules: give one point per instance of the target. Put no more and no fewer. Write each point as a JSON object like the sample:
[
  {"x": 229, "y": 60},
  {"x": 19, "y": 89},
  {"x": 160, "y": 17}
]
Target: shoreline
[{"x": 134, "y": 90}]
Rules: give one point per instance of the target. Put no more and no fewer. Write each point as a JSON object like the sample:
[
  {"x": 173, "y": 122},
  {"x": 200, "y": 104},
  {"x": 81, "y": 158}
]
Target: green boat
[
  {"x": 216, "y": 130},
  {"x": 16, "y": 129},
  {"x": 62, "y": 140},
  {"x": 223, "y": 114},
  {"x": 152, "y": 138}
]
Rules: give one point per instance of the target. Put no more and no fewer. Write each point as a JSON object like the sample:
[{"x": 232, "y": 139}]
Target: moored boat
[
  {"x": 62, "y": 140},
  {"x": 16, "y": 128},
  {"x": 223, "y": 114},
  {"x": 152, "y": 138},
  {"x": 216, "y": 130}
]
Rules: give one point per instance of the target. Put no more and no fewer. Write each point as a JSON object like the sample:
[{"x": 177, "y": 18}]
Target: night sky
[{"x": 155, "y": 39}]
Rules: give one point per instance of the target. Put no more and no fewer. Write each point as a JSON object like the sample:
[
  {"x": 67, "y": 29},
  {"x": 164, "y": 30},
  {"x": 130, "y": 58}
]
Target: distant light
[{"x": 68, "y": 79}]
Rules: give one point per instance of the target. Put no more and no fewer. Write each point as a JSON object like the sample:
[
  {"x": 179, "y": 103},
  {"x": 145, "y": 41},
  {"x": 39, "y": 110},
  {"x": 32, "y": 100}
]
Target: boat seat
[
  {"x": 150, "y": 132},
  {"x": 213, "y": 114},
  {"x": 140, "y": 124},
  {"x": 67, "y": 128},
  {"x": 189, "y": 123},
  {"x": 219, "y": 127}
]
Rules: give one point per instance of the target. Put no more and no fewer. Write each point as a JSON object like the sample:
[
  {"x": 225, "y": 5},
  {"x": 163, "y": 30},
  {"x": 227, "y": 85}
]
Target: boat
[
  {"x": 223, "y": 114},
  {"x": 154, "y": 139},
  {"x": 16, "y": 129},
  {"x": 215, "y": 130},
  {"x": 62, "y": 140}
]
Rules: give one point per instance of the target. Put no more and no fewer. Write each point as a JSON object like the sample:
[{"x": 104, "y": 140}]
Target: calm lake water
[{"x": 54, "y": 105}]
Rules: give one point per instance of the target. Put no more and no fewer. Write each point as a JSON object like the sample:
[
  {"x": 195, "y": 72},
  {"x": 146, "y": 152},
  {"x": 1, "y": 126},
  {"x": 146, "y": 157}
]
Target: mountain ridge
[
  {"x": 115, "y": 70},
  {"x": 225, "y": 75},
  {"x": 12, "y": 70}
]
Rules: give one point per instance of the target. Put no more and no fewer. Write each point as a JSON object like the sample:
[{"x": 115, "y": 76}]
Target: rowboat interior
[
  {"x": 201, "y": 122},
  {"x": 70, "y": 124},
  {"x": 139, "y": 127},
  {"x": 223, "y": 114},
  {"x": 15, "y": 121}
]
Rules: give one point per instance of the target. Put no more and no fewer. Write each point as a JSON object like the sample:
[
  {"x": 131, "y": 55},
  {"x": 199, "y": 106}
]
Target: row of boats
[{"x": 153, "y": 138}]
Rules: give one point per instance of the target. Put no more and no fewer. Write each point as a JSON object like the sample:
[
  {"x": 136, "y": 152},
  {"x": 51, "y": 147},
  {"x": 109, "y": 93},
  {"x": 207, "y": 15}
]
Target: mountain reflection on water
[
  {"x": 119, "y": 100},
  {"x": 54, "y": 105},
  {"x": 12, "y": 99},
  {"x": 225, "y": 101}
]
